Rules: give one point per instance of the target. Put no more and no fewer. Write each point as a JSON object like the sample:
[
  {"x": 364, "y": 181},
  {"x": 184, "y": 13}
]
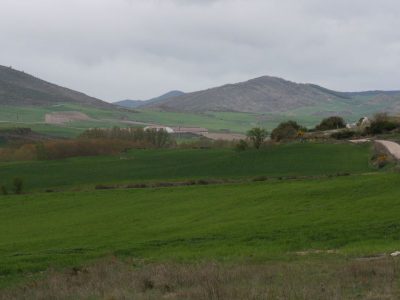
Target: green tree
[
  {"x": 257, "y": 136},
  {"x": 331, "y": 123},
  {"x": 287, "y": 131}
]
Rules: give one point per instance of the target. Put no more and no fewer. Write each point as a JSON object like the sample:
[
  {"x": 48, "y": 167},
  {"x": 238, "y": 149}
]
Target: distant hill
[
  {"x": 157, "y": 100},
  {"x": 129, "y": 103},
  {"x": 264, "y": 94},
  {"x": 275, "y": 95},
  {"x": 19, "y": 89}
]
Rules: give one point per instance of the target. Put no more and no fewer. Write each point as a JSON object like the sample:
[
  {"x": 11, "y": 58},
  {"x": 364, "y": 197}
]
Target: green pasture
[
  {"x": 297, "y": 159},
  {"x": 353, "y": 215}
]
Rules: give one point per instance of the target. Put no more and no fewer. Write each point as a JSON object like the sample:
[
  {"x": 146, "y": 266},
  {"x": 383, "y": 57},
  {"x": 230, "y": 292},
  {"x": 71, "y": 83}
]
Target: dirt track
[{"x": 392, "y": 147}]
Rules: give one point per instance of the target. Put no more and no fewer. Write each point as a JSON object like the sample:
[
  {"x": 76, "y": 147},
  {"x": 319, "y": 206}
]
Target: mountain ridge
[
  {"x": 19, "y": 88},
  {"x": 268, "y": 94},
  {"x": 138, "y": 103}
]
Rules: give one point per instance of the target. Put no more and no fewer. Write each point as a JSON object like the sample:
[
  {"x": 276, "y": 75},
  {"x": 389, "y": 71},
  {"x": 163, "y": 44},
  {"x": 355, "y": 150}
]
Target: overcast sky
[{"x": 138, "y": 49}]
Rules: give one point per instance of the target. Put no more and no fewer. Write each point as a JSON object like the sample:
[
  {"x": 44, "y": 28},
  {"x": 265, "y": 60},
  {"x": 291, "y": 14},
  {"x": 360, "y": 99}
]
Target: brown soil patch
[{"x": 65, "y": 117}]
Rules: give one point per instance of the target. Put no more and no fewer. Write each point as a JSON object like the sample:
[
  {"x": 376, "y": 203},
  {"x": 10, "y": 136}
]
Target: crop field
[
  {"x": 235, "y": 122},
  {"x": 285, "y": 211},
  {"x": 298, "y": 159},
  {"x": 354, "y": 215}
]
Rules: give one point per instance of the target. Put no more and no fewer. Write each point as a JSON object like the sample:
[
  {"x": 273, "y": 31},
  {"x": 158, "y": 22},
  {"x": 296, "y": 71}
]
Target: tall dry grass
[{"x": 114, "y": 279}]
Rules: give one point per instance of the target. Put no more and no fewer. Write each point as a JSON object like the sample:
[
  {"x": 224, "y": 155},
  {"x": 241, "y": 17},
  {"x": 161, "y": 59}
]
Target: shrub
[
  {"x": 136, "y": 186},
  {"x": 257, "y": 136},
  {"x": 379, "y": 127},
  {"x": 331, "y": 123},
  {"x": 4, "y": 190},
  {"x": 150, "y": 137},
  {"x": 380, "y": 160},
  {"x": 342, "y": 135},
  {"x": 202, "y": 182},
  {"x": 287, "y": 130},
  {"x": 260, "y": 178},
  {"x": 242, "y": 145},
  {"x": 104, "y": 187},
  {"x": 382, "y": 123},
  {"x": 18, "y": 184}
]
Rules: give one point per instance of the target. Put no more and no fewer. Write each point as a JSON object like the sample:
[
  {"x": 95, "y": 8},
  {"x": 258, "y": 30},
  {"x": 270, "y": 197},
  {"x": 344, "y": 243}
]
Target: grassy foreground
[
  {"x": 354, "y": 215},
  {"x": 316, "y": 279},
  {"x": 177, "y": 164}
]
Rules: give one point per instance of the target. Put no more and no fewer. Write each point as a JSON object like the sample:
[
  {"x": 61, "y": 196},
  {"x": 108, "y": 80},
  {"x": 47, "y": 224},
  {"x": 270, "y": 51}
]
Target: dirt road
[
  {"x": 392, "y": 147},
  {"x": 224, "y": 136}
]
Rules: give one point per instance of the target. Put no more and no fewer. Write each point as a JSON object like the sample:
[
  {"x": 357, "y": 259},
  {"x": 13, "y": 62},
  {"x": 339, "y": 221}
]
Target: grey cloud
[{"x": 114, "y": 49}]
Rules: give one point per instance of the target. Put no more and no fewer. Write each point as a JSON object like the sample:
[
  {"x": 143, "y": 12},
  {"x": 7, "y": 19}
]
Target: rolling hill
[
  {"x": 20, "y": 89},
  {"x": 275, "y": 95},
  {"x": 158, "y": 100}
]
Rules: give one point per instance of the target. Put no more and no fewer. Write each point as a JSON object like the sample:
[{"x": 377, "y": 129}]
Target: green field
[
  {"x": 303, "y": 206},
  {"x": 298, "y": 159},
  {"x": 354, "y": 215},
  {"x": 214, "y": 121}
]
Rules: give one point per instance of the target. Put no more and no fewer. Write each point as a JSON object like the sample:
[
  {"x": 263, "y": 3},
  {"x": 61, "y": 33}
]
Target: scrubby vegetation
[
  {"x": 330, "y": 123},
  {"x": 147, "y": 138},
  {"x": 92, "y": 142},
  {"x": 112, "y": 278},
  {"x": 382, "y": 123},
  {"x": 18, "y": 185},
  {"x": 344, "y": 135},
  {"x": 257, "y": 136},
  {"x": 287, "y": 131}
]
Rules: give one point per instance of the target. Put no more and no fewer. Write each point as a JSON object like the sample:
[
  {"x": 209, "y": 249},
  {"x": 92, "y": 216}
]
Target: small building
[
  {"x": 159, "y": 128},
  {"x": 365, "y": 122}
]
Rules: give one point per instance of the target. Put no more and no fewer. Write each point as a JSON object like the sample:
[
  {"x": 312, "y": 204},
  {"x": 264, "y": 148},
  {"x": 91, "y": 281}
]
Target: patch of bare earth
[
  {"x": 114, "y": 279},
  {"x": 65, "y": 117}
]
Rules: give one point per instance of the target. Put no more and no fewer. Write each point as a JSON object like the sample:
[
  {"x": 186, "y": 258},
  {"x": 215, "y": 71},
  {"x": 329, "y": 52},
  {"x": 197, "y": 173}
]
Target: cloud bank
[{"x": 138, "y": 49}]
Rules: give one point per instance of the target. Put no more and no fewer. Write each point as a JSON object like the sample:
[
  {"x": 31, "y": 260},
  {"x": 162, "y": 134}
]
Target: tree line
[{"x": 290, "y": 130}]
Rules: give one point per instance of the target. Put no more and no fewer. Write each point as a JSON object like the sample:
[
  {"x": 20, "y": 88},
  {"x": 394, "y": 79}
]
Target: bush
[
  {"x": 242, "y": 145},
  {"x": 342, "y": 135},
  {"x": 18, "y": 184},
  {"x": 4, "y": 190},
  {"x": 382, "y": 123},
  {"x": 260, "y": 178},
  {"x": 203, "y": 182},
  {"x": 104, "y": 187},
  {"x": 137, "y": 186},
  {"x": 331, "y": 123},
  {"x": 257, "y": 136},
  {"x": 150, "y": 137},
  {"x": 287, "y": 131},
  {"x": 380, "y": 160},
  {"x": 379, "y": 127}
]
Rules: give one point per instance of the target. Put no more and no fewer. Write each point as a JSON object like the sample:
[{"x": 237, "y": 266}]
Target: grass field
[
  {"x": 214, "y": 121},
  {"x": 299, "y": 230},
  {"x": 299, "y": 159},
  {"x": 354, "y": 215}
]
